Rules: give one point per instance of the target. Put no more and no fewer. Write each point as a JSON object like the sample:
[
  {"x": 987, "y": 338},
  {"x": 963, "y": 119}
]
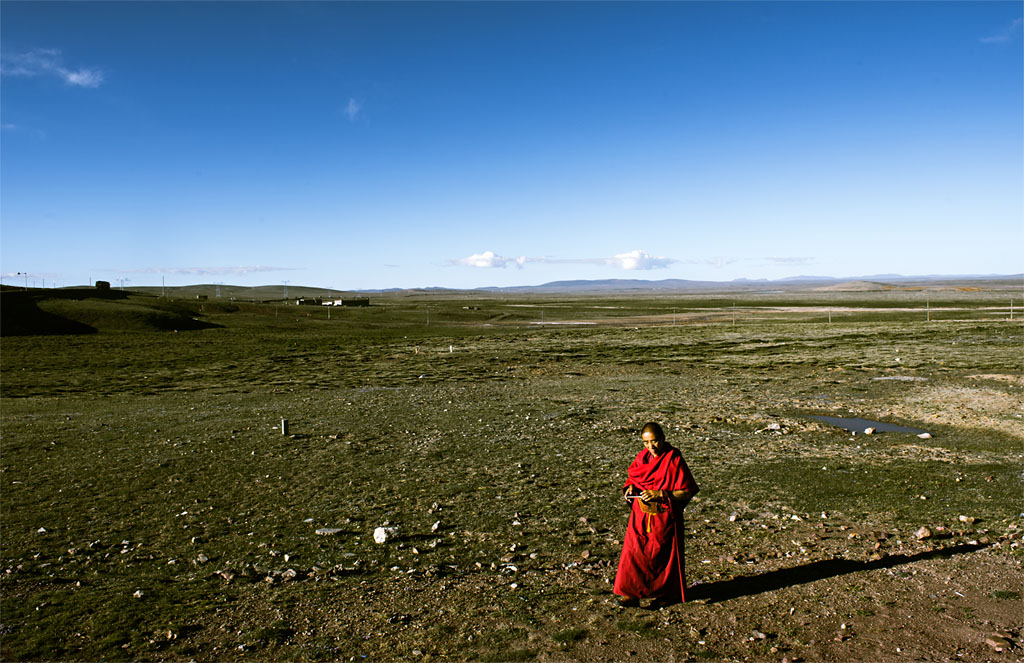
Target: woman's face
[{"x": 653, "y": 445}]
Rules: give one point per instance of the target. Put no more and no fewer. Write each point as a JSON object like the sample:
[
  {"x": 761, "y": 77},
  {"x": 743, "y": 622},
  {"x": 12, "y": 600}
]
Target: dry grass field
[{"x": 153, "y": 510}]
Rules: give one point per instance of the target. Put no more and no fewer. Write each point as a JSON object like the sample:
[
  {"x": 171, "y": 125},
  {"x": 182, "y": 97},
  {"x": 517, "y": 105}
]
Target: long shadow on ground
[{"x": 724, "y": 590}]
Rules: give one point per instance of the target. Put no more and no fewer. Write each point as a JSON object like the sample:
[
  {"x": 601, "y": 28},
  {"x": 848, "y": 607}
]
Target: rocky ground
[{"x": 154, "y": 510}]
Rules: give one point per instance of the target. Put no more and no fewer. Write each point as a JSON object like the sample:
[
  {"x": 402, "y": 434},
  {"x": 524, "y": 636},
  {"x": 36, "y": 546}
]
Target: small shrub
[{"x": 1003, "y": 594}]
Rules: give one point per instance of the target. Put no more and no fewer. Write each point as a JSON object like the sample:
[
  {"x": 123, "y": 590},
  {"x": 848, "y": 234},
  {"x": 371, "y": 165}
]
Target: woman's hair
[{"x": 652, "y": 427}]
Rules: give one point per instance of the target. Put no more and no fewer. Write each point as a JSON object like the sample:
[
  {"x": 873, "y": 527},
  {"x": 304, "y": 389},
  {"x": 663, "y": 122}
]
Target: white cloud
[
  {"x": 638, "y": 259},
  {"x": 490, "y": 259},
  {"x": 48, "y": 62},
  {"x": 1006, "y": 34},
  {"x": 352, "y": 109},
  {"x": 82, "y": 77},
  {"x": 205, "y": 270},
  {"x": 632, "y": 260},
  {"x": 33, "y": 63}
]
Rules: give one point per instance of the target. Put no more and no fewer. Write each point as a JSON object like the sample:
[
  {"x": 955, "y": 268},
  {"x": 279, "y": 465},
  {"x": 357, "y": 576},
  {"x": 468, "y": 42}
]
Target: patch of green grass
[
  {"x": 278, "y": 633},
  {"x": 570, "y": 635},
  {"x": 882, "y": 486},
  {"x": 170, "y": 442},
  {"x": 641, "y": 626},
  {"x": 705, "y": 654},
  {"x": 508, "y": 656},
  {"x": 1007, "y": 595}
]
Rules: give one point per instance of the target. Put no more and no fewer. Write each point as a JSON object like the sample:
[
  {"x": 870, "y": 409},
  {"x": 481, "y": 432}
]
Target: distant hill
[
  {"x": 608, "y": 285},
  {"x": 276, "y": 293},
  {"x": 851, "y": 286},
  {"x": 748, "y": 285},
  {"x": 260, "y": 293}
]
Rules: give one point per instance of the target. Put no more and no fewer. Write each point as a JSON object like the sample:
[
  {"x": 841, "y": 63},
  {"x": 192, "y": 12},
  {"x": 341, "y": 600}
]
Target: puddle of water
[{"x": 857, "y": 425}]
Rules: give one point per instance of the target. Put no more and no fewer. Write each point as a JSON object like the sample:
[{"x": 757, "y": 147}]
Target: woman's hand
[{"x": 652, "y": 495}]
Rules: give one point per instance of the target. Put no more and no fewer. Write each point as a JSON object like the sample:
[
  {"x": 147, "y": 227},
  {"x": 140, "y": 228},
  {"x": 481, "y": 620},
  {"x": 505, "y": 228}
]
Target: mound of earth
[{"x": 86, "y": 311}]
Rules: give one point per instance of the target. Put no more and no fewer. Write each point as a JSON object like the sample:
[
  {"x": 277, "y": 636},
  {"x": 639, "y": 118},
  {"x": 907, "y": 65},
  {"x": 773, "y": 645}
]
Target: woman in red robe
[{"x": 659, "y": 486}]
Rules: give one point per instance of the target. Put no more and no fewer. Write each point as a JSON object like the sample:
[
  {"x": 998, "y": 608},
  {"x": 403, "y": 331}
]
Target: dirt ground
[{"x": 153, "y": 510}]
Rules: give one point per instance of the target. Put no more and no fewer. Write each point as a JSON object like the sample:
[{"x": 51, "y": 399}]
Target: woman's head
[{"x": 654, "y": 438}]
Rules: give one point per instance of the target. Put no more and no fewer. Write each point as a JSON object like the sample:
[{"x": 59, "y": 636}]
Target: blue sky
[{"x": 376, "y": 145}]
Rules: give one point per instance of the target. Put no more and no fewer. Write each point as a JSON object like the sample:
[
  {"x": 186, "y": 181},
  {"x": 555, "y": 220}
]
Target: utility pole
[{"x": 286, "y": 289}]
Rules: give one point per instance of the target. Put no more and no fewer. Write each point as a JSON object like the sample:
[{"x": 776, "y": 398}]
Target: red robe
[{"x": 652, "y": 562}]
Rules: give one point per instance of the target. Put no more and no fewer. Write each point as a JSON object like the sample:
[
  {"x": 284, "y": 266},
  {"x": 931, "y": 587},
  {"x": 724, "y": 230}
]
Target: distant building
[
  {"x": 308, "y": 302},
  {"x": 103, "y": 285},
  {"x": 202, "y": 296},
  {"x": 351, "y": 301}
]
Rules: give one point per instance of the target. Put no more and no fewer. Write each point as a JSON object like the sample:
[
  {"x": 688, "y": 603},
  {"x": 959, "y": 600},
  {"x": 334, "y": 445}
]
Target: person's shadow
[{"x": 723, "y": 590}]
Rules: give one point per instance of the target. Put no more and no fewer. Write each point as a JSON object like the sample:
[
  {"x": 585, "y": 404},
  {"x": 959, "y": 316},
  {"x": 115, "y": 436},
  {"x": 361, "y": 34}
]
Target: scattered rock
[
  {"x": 382, "y": 534},
  {"x": 435, "y": 526},
  {"x": 138, "y": 594},
  {"x": 923, "y": 533},
  {"x": 998, "y": 643},
  {"x": 202, "y": 559},
  {"x": 967, "y": 519},
  {"x": 328, "y": 531},
  {"x": 925, "y": 436},
  {"x": 869, "y": 431}
]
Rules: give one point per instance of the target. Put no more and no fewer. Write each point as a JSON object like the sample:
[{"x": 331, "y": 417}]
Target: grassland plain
[{"x": 152, "y": 509}]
